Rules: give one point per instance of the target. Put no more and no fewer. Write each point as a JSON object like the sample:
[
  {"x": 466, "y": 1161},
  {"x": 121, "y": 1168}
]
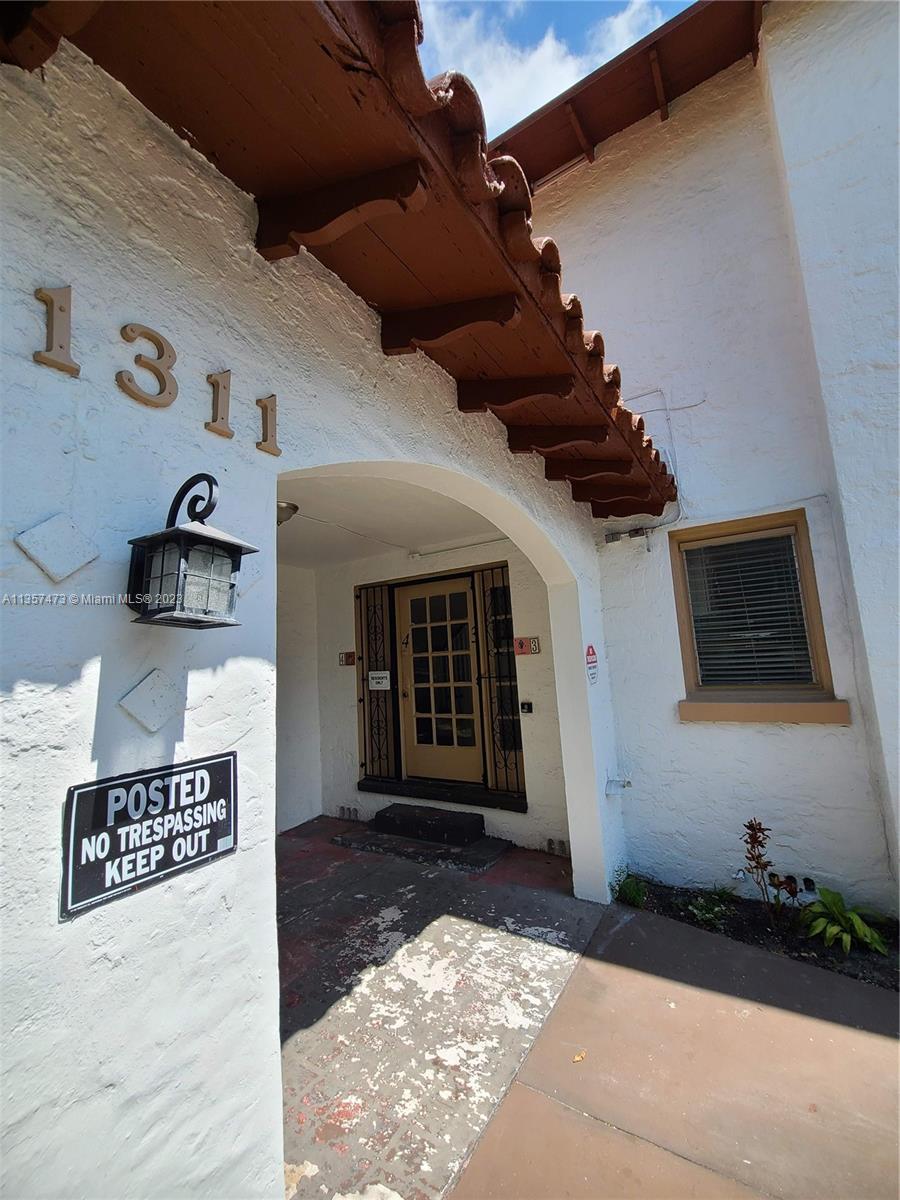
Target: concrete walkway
[
  {"x": 491, "y": 1038},
  {"x": 410, "y": 995},
  {"x": 679, "y": 1063}
]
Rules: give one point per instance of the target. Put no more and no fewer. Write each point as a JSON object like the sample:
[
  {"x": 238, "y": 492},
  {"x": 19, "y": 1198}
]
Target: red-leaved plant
[{"x": 756, "y": 843}]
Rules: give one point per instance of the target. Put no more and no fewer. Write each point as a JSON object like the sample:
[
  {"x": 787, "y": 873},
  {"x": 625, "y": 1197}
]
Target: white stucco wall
[
  {"x": 679, "y": 238},
  {"x": 159, "y": 1011},
  {"x": 836, "y": 127},
  {"x": 544, "y": 781},
  {"x": 299, "y": 760}
]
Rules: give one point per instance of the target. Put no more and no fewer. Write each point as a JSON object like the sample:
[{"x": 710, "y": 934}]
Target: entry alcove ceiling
[{"x": 320, "y": 110}]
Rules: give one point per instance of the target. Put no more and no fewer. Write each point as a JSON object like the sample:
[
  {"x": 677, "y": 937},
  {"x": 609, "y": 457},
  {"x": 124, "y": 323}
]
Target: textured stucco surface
[
  {"x": 299, "y": 766},
  {"x": 159, "y": 1011},
  {"x": 837, "y": 133},
  {"x": 680, "y": 238}
]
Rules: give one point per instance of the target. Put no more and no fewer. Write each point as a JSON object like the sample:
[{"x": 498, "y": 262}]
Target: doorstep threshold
[{"x": 473, "y": 794}]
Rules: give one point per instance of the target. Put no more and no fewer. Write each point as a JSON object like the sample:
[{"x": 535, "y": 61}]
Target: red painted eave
[
  {"x": 321, "y": 112},
  {"x": 706, "y": 38}
]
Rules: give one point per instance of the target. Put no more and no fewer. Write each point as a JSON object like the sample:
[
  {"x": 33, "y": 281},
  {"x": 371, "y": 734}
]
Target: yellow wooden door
[{"x": 440, "y": 710}]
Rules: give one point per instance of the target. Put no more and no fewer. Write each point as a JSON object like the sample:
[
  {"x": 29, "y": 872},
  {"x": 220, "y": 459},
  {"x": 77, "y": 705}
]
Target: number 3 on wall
[{"x": 160, "y": 367}]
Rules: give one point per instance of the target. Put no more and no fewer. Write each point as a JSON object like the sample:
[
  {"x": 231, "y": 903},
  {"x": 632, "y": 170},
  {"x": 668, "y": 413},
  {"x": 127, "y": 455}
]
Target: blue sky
[{"x": 521, "y": 53}]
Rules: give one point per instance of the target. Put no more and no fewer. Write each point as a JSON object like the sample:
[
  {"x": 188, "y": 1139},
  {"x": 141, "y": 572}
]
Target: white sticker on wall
[{"x": 590, "y": 662}]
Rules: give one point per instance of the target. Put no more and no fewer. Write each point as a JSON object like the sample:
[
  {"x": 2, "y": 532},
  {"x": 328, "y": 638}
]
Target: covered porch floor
[{"x": 489, "y": 1036}]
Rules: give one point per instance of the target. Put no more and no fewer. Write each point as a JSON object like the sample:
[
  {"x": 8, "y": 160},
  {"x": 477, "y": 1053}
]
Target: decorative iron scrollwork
[{"x": 198, "y": 509}]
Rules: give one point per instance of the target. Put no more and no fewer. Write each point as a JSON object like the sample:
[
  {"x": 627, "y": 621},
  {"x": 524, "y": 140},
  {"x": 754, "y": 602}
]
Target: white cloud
[
  {"x": 514, "y": 79},
  {"x": 616, "y": 33}
]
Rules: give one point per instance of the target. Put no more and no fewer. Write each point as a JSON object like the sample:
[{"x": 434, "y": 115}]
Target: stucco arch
[{"x": 582, "y": 757}]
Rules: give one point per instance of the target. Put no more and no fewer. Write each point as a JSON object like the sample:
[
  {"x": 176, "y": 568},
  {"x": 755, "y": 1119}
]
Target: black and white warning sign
[{"x": 124, "y": 833}]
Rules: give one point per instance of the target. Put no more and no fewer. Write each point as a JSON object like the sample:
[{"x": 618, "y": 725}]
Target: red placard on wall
[{"x": 527, "y": 645}]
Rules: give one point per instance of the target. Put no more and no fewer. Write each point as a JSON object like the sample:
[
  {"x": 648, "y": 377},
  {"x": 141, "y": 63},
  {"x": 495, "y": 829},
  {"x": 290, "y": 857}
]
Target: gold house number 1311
[{"x": 58, "y": 354}]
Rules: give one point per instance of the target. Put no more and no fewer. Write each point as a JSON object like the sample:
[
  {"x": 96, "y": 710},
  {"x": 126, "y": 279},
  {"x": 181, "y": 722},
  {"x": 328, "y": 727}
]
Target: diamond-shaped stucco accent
[
  {"x": 153, "y": 702},
  {"x": 58, "y": 547}
]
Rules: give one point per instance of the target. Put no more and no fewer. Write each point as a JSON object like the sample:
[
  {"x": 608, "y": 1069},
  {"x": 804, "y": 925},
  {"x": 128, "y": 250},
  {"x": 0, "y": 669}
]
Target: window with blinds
[{"x": 747, "y": 613}]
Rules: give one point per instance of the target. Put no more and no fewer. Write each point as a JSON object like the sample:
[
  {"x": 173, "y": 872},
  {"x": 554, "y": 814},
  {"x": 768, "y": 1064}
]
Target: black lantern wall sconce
[{"x": 186, "y": 575}]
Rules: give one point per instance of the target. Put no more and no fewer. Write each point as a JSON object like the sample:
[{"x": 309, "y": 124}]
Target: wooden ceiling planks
[{"x": 321, "y": 112}]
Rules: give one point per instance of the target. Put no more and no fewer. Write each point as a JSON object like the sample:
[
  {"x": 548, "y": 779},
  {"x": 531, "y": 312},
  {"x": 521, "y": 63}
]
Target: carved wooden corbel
[
  {"x": 321, "y": 216},
  {"x": 403, "y": 332},
  {"x": 479, "y": 395},
  {"x": 627, "y": 508},
  {"x": 544, "y": 439},
  {"x": 608, "y": 491},
  {"x": 570, "y": 469}
]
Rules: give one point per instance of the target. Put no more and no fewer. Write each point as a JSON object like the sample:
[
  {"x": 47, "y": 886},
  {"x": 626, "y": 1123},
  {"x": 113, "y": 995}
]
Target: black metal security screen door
[
  {"x": 379, "y": 727},
  {"x": 497, "y": 701},
  {"x": 500, "y": 687}
]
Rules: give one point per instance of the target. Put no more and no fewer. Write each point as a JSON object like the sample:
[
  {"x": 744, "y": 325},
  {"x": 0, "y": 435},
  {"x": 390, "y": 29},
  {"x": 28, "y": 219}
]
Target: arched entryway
[{"x": 427, "y": 521}]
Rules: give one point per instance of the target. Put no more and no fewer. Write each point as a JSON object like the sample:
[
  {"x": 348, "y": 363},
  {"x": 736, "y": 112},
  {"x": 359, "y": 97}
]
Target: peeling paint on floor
[
  {"x": 410, "y": 995},
  {"x": 293, "y": 1173}
]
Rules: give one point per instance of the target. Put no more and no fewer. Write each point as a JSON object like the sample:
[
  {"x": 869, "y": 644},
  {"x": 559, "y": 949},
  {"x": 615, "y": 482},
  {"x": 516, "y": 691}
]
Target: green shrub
[
  {"x": 829, "y": 918},
  {"x": 632, "y": 890}
]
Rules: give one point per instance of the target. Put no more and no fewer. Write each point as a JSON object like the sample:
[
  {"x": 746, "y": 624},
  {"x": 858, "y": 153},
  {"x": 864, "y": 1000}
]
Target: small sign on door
[{"x": 379, "y": 681}]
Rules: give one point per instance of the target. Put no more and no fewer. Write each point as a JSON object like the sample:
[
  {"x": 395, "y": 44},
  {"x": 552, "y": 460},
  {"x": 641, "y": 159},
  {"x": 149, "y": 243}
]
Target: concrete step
[{"x": 418, "y": 821}]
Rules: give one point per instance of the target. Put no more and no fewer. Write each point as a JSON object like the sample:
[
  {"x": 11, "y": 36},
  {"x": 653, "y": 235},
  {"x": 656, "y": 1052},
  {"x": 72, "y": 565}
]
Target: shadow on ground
[
  {"x": 662, "y": 1061},
  {"x": 680, "y": 1063},
  {"x": 342, "y": 911},
  {"x": 410, "y": 996}
]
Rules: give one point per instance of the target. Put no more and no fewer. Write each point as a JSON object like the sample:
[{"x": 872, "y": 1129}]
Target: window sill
[{"x": 787, "y": 712}]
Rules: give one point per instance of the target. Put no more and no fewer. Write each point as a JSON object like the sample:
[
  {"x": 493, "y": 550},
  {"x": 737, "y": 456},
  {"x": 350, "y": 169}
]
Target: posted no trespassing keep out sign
[{"x": 128, "y": 831}]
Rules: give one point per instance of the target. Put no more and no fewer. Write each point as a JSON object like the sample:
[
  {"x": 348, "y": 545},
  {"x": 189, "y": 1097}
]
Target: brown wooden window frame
[{"x": 812, "y": 703}]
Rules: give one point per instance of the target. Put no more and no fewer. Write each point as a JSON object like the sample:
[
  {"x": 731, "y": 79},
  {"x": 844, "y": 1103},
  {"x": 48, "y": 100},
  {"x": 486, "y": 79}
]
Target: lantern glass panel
[
  {"x": 208, "y": 581},
  {"x": 161, "y": 578}
]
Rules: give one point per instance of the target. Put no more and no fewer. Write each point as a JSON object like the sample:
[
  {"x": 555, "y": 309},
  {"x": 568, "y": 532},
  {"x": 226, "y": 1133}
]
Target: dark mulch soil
[{"x": 746, "y": 921}]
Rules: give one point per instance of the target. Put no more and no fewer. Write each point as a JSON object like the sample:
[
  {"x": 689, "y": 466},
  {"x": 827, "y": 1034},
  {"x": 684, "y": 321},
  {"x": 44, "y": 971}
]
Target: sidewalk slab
[
  {"x": 777, "y": 1075},
  {"x": 537, "y": 1149}
]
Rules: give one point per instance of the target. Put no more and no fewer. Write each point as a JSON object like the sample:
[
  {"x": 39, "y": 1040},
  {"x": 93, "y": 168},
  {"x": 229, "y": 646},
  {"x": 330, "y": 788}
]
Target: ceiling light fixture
[{"x": 285, "y": 510}]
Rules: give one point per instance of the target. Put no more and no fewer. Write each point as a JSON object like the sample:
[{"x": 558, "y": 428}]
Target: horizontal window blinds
[{"x": 747, "y": 613}]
